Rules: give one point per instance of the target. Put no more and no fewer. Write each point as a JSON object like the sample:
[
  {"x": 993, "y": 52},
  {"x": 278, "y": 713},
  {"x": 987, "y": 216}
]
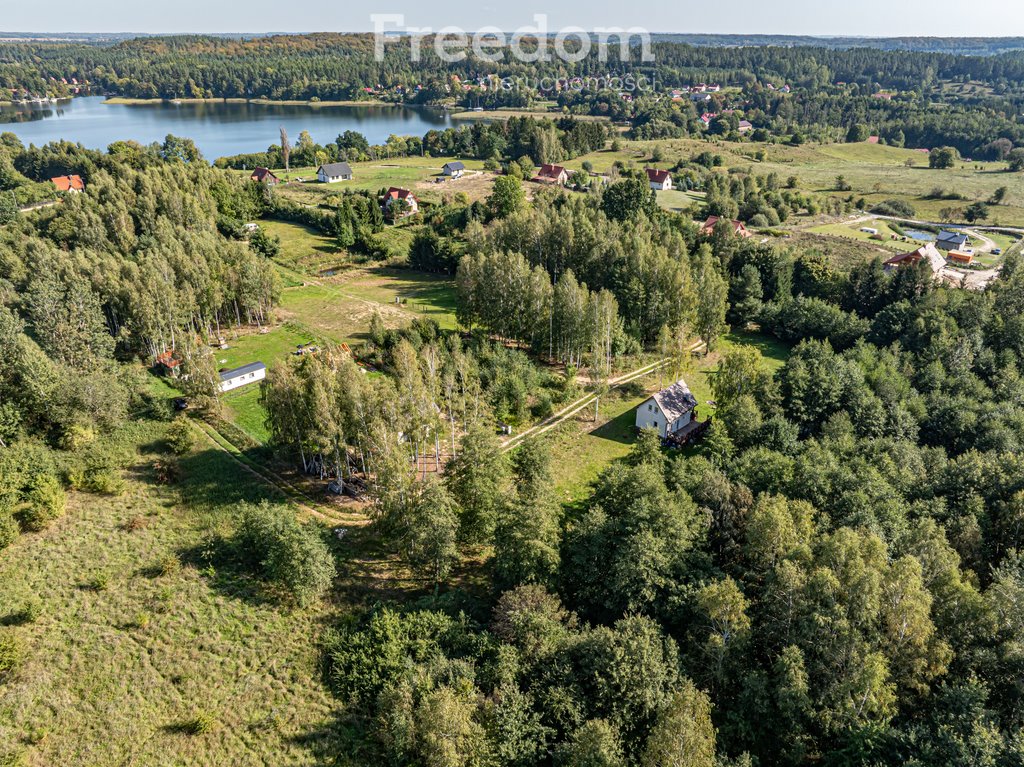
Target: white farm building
[{"x": 243, "y": 376}]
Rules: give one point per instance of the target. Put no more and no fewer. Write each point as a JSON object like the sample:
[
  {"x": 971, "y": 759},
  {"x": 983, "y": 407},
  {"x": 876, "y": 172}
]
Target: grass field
[
  {"x": 341, "y": 308},
  {"x": 874, "y": 172},
  {"x": 127, "y": 650},
  {"x": 417, "y": 173},
  {"x": 582, "y": 448}
]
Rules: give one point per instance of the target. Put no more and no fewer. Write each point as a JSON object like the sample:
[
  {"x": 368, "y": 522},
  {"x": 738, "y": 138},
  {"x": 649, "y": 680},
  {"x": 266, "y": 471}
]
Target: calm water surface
[{"x": 218, "y": 129}]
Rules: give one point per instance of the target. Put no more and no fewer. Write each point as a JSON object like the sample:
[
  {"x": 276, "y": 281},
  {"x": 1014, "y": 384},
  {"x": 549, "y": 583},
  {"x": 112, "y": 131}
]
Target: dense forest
[{"x": 832, "y": 87}]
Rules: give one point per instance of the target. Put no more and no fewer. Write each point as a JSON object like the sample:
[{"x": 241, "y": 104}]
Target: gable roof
[
  {"x": 675, "y": 401},
  {"x": 263, "y": 174},
  {"x": 167, "y": 359},
  {"x": 68, "y": 183},
  {"x": 738, "y": 227},
  {"x": 335, "y": 169},
  {"x": 455, "y": 165},
  {"x": 958, "y": 237},
  {"x": 252, "y": 367},
  {"x": 927, "y": 252},
  {"x": 397, "y": 193},
  {"x": 658, "y": 176},
  {"x": 549, "y": 172}
]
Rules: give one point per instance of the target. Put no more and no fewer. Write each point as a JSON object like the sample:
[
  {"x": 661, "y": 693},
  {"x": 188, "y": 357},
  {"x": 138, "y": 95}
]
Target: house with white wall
[
  {"x": 243, "y": 376},
  {"x": 668, "y": 411}
]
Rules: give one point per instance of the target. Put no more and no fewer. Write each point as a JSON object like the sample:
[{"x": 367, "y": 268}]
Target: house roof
[
  {"x": 658, "y": 176},
  {"x": 336, "y": 169},
  {"x": 67, "y": 183},
  {"x": 549, "y": 172},
  {"x": 396, "y": 193},
  {"x": 958, "y": 237},
  {"x": 675, "y": 401},
  {"x": 167, "y": 359},
  {"x": 744, "y": 124},
  {"x": 455, "y": 165},
  {"x": 263, "y": 174},
  {"x": 252, "y": 367},
  {"x": 927, "y": 252},
  {"x": 738, "y": 227}
]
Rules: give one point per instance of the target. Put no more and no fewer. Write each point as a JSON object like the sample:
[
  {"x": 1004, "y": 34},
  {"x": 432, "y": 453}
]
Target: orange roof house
[
  {"x": 68, "y": 183},
  {"x": 959, "y": 257},
  {"x": 397, "y": 193},
  {"x": 738, "y": 228}
]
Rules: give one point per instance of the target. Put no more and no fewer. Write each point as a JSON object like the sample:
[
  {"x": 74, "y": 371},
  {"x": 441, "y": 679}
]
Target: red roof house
[
  {"x": 264, "y": 176},
  {"x": 551, "y": 174},
  {"x": 68, "y": 183},
  {"x": 397, "y": 193},
  {"x": 659, "y": 179},
  {"x": 738, "y": 228}
]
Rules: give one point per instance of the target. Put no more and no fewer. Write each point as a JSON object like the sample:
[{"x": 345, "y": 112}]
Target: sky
[{"x": 875, "y": 18}]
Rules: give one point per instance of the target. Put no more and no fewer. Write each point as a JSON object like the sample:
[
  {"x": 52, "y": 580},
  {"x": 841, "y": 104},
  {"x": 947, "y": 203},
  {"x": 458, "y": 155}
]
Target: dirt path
[
  {"x": 585, "y": 401},
  {"x": 292, "y": 493}
]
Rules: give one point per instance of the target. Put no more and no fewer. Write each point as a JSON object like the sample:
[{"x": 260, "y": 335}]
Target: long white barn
[{"x": 243, "y": 376}]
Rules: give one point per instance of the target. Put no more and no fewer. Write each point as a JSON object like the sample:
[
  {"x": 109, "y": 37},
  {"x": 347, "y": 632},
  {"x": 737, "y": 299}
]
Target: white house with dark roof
[
  {"x": 243, "y": 376},
  {"x": 331, "y": 173},
  {"x": 668, "y": 411},
  {"x": 454, "y": 169}
]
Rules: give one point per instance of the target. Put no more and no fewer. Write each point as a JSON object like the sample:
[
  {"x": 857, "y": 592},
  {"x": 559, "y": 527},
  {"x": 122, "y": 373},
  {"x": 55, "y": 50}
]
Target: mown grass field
[{"x": 127, "y": 650}]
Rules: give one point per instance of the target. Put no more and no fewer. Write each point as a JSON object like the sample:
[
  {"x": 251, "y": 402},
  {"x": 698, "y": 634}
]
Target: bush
[
  {"x": 290, "y": 555},
  {"x": 11, "y": 654},
  {"x": 46, "y": 502},
  {"x": 180, "y": 436},
  {"x": 200, "y": 724},
  {"x": 543, "y": 407},
  {"x": 169, "y": 565},
  {"x": 8, "y": 529},
  {"x": 27, "y": 613},
  {"x": 894, "y": 207}
]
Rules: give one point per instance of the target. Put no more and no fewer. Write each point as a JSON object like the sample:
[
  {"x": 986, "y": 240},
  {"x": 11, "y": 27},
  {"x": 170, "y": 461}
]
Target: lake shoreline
[{"x": 124, "y": 101}]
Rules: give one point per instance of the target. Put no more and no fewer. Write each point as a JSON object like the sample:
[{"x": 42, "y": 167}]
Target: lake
[{"x": 219, "y": 129}]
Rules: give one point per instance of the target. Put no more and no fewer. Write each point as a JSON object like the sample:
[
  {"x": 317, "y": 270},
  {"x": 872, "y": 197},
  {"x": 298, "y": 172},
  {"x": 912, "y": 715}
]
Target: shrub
[
  {"x": 200, "y": 724},
  {"x": 46, "y": 502},
  {"x": 166, "y": 471},
  {"x": 180, "y": 436},
  {"x": 100, "y": 583},
  {"x": 11, "y": 654},
  {"x": 169, "y": 565},
  {"x": 288, "y": 554},
  {"x": 543, "y": 408},
  {"x": 8, "y": 528},
  {"x": 27, "y": 613},
  {"x": 894, "y": 207}
]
